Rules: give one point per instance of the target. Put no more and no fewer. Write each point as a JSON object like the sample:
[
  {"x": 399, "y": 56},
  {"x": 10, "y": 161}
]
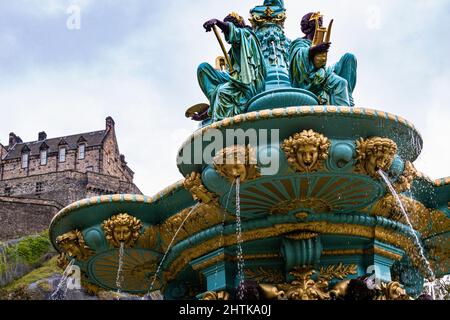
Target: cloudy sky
[{"x": 136, "y": 61}]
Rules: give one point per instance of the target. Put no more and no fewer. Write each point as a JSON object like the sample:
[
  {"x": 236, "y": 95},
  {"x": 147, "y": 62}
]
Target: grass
[
  {"x": 47, "y": 270},
  {"x": 29, "y": 251}
]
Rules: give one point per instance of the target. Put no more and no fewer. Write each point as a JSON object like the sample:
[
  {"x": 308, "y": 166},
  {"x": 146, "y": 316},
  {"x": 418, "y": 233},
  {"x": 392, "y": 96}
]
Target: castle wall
[
  {"x": 62, "y": 187},
  {"x": 91, "y": 162},
  {"x": 35, "y": 167},
  {"x": 128, "y": 187},
  {"x": 30, "y": 197},
  {"x": 69, "y": 164},
  {"x": 66, "y": 187},
  {"x": 13, "y": 168},
  {"x": 21, "y": 217}
]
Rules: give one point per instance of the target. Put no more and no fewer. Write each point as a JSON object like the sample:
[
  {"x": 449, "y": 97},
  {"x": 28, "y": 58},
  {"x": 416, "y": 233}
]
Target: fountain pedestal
[{"x": 218, "y": 269}]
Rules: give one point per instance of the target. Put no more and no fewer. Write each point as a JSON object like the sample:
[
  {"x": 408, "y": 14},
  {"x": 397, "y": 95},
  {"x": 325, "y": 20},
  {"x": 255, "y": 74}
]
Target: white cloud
[
  {"x": 148, "y": 129},
  {"x": 8, "y": 43},
  {"x": 148, "y": 80},
  {"x": 50, "y": 7},
  {"x": 435, "y": 158}
]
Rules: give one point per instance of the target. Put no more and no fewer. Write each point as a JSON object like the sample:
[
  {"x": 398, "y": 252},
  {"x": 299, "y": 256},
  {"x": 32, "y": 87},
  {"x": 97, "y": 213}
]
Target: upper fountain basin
[{"x": 339, "y": 124}]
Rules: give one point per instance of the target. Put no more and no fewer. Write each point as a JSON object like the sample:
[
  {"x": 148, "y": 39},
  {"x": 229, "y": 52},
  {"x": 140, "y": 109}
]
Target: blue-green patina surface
[
  {"x": 334, "y": 84},
  {"x": 227, "y": 93},
  {"x": 273, "y": 88}
]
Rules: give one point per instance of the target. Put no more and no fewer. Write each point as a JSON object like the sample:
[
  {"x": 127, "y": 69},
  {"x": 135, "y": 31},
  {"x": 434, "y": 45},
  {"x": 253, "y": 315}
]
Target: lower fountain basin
[{"x": 333, "y": 216}]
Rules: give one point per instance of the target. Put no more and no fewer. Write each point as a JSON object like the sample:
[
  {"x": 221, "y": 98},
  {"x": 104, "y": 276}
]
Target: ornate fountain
[{"x": 323, "y": 220}]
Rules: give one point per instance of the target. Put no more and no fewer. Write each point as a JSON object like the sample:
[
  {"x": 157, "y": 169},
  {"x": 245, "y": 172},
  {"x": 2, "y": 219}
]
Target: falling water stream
[
  {"x": 158, "y": 270},
  {"x": 119, "y": 278},
  {"x": 63, "y": 282},
  {"x": 222, "y": 231},
  {"x": 239, "y": 251},
  {"x": 408, "y": 220}
]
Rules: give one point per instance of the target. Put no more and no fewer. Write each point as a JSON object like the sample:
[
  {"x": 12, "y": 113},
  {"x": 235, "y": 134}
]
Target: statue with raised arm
[
  {"x": 229, "y": 91},
  {"x": 333, "y": 85}
]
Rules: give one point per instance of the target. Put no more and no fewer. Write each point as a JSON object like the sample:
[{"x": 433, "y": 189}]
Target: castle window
[
  {"x": 81, "y": 151},
  {"x": 25, "y": 158},
  {"x": 62, "y": 155},
  {"x": 39, "y": 187},
  {"x": 43, "y": 157},
  {"x": 7, "y": 191}
]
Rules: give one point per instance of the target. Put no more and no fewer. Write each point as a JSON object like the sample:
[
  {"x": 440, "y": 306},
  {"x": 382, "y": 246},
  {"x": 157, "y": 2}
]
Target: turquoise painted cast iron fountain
[{"x": 313, "y": 209}]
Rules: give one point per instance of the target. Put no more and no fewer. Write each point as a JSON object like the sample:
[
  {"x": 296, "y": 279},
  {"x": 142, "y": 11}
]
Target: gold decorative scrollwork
[
  {"x": 257, "y": 20},
  {"x": 143, "y": 270},
  {"x": 389, "y": 208},
  {"x": 193, "y": 183},
  {"x": 303, "y": 235},
  {"x": 237, "y": 161},
  {"x": 316, "y": 205},
  {"x": 263, "y": 275},
  {"x": 149, "y": 239},
  {"x": 221, "y": 295},
  {"x": 62, "y": 261},
  {"x": 74, "y": 246},
  {"x": 375, "y": 154},
  {"x": 304, "y": 287},
  {"x": 339, "y": 291},
  {"x": 205, "y": 216},
  {"x": 271, "y": 292},
  {"x": 90, "y": 288},
  {"x": 379, "y": 233},
  {"x": 439, "y": 252},
  {"x": 404, "y": 182},
  {"x": 440, "y": 223},
  {"x": 339, "y": 271},
  {"x": 122, "y": 228},
  {"x": 392, "y": 291},
  {"x": 424, "y": 220},
  {"x": 307, "y": 151}
]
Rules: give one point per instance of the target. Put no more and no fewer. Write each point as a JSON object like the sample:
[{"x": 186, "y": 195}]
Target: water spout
[
  {"x": 438, "y": 289},
  {"x": 222, "y": 231},
  {"x": 158, "y": 270},
  {"x": 239, "y": 253},
  {"x": 65, "y": 276},
  {"x": 384, "y": 176},
  {"x": 119, "y": 278}
]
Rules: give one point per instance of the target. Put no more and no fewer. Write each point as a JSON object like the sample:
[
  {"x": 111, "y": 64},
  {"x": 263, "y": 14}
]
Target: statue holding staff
[
  {"x": 229, "y": 91},
  {"x": 333, "y": 85}
]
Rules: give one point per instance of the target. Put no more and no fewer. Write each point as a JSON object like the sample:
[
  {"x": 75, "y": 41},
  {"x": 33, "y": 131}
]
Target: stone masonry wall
[
  {"x": 62, "y": 187},
  {"x": 13, "y": 168},
  {"x": 66, "y": 187},
  {"x": 112, "y": 165},
  {"x": 21, "y": 217},
  {"x": 28, "y": 211}
]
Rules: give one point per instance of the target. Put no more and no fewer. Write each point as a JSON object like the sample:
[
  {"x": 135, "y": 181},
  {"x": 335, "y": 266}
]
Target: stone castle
[{"x": 39, "y": 178}]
